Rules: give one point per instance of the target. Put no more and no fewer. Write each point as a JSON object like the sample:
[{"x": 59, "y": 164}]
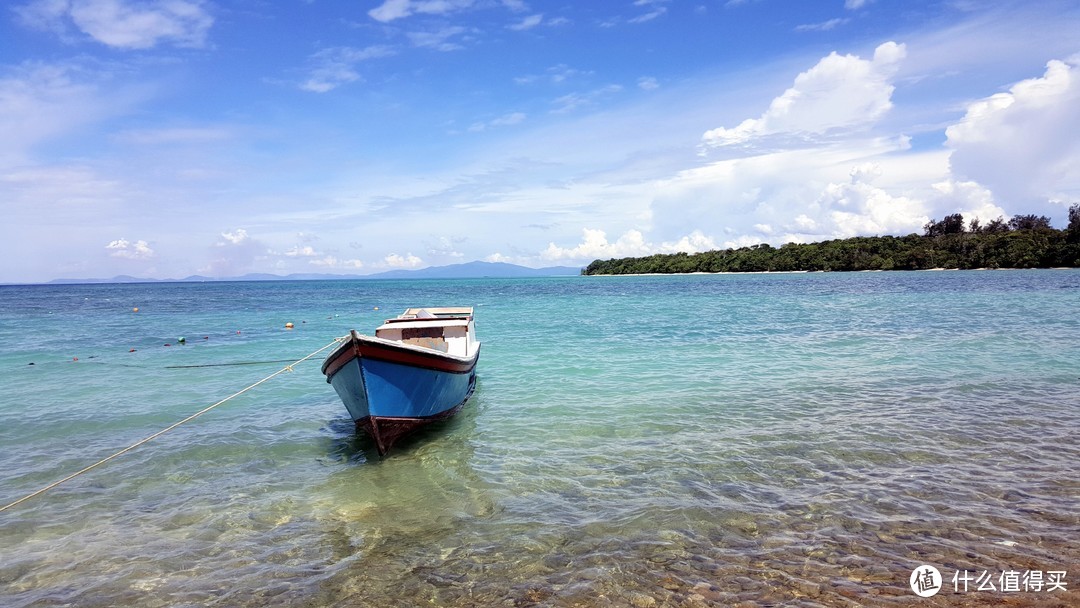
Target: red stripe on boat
[
  {"x": 407, "y": 356},
  {"x": 357, "y": 347}
]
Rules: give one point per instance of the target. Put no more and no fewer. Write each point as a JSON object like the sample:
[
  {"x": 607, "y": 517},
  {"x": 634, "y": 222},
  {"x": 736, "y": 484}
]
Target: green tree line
[{"x": 1025, "y": 241}]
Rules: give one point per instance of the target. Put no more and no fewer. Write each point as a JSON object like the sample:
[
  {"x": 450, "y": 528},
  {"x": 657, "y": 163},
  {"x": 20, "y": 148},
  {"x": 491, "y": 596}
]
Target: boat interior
[
  {"x": 444, "y": 329},
  {"x": 439, "y": 312}
]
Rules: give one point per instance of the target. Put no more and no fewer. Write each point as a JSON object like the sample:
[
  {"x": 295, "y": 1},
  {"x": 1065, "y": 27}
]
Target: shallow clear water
[{"x": 802, "y": 439}]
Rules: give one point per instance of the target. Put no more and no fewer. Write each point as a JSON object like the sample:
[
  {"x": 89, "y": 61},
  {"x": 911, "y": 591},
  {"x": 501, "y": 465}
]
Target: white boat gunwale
[{"x": 455, "y": 317}]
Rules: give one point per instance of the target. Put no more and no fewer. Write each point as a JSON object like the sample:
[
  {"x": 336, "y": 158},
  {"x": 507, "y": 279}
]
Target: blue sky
[{"x": 166, "y": 138}]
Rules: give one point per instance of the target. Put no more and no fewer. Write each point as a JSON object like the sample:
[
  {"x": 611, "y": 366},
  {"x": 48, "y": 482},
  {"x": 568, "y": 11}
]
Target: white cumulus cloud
[
  {"x": 695, "y": 242},
  {"x": 841, "y": 91},
  {"x": 237, "y": 237},
  {"x": 122, "y": 248},
  {"x": 859, "y": 208},
  {"x": 1022, "y": 144},
  {"x": 969, "y": 199},
  {"x": 802, "y": 195},
  {"x": 595, "y": 245},
  {"x": 402, "y": 261},
  {"x": 306, "y": 251}
]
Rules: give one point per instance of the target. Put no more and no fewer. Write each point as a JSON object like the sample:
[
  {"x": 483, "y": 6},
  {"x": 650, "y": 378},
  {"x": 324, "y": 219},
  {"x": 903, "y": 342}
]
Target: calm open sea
[{"x": 804, "y": 439}]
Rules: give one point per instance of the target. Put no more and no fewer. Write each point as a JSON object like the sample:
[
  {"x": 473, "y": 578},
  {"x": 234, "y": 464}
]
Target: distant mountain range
[
  {"x": 477, "y": 270},
  {"x": 470, "y": 270}
]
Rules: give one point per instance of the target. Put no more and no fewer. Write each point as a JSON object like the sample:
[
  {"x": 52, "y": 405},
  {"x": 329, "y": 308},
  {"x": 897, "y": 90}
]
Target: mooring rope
[{"x": 287, "y": 368}]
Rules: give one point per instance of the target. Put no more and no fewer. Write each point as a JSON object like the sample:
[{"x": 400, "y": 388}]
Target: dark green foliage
[
  {"x": 1030, "y": 222},
  {"x": 1025, "y": 241},
  {"x": 998, "y": 225},
  {"x": 952, "y": 224},
  {"x": 1074, "y": 224}
]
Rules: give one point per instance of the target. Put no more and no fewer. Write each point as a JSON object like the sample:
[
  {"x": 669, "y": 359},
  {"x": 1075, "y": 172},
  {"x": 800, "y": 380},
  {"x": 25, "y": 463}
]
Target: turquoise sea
[{"x": 704, "y": 440}]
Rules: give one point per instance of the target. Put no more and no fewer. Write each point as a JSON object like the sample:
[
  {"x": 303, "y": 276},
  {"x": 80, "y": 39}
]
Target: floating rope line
[{"x": 287, "y": 368}]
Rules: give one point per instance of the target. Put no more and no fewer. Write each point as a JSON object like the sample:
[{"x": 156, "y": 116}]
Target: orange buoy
[
  {"x": 136, "y": 309},
  {"x": 288, "y": 326}
]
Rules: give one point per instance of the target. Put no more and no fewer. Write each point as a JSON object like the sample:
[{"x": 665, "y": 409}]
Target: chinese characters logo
[{"x": 925, "y": 581}]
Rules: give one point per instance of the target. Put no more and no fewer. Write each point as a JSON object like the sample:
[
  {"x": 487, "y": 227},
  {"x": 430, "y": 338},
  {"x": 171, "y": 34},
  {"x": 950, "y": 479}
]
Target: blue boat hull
[{"x": 391, "y": 390}]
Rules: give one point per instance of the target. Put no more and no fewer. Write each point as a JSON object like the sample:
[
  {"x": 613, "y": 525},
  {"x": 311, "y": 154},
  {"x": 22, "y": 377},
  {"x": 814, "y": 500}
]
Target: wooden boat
[{"x": 418, "y": 368}]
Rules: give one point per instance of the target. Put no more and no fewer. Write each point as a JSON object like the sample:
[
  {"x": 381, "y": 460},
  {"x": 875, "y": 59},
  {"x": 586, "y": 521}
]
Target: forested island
[{"x": 1025, "y": 241}]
